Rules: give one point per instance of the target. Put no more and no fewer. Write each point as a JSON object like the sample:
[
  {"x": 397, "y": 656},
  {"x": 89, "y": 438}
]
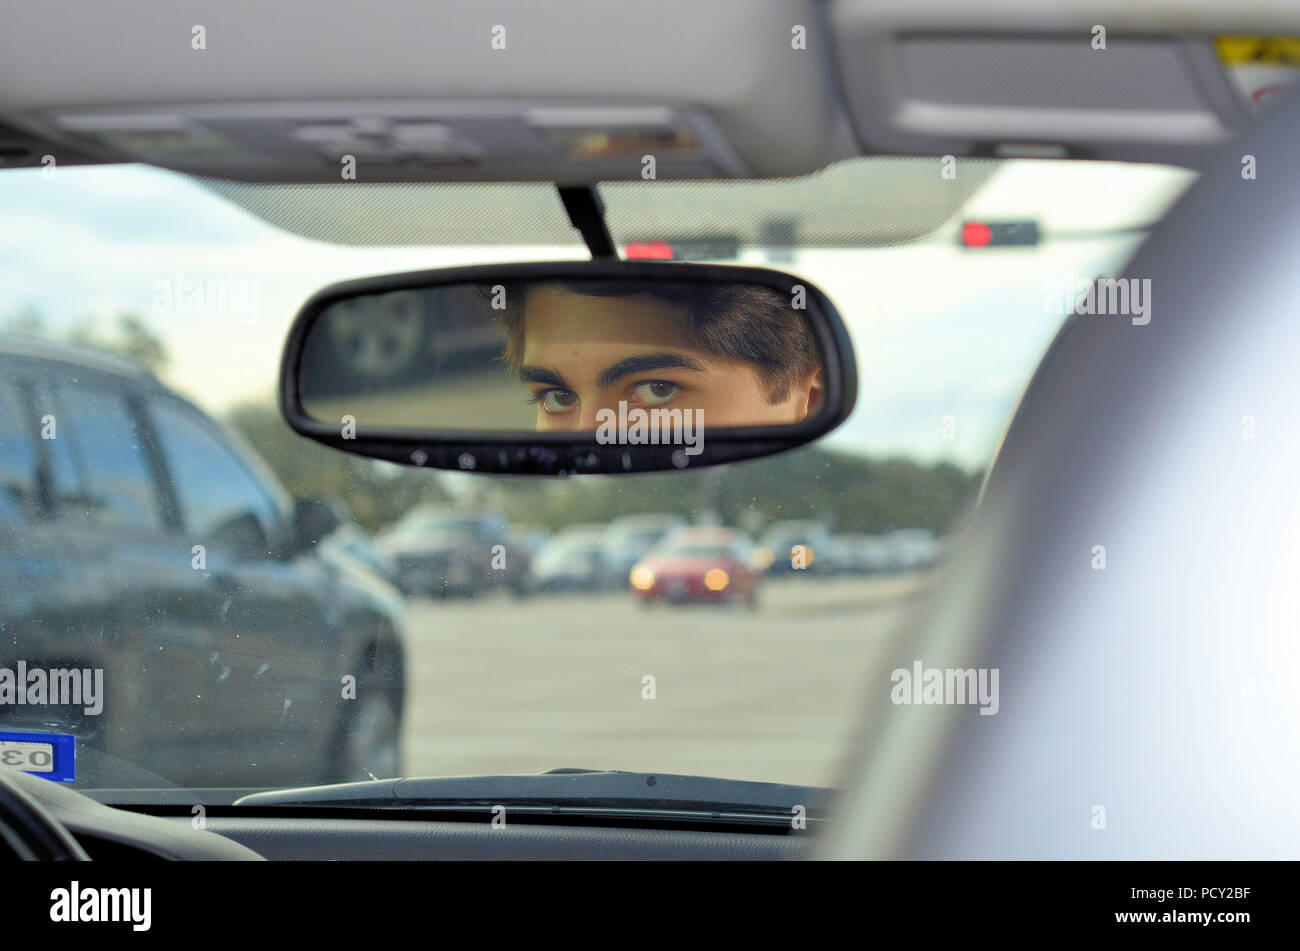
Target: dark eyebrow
[
  {"x": 542, "y": 375},
  {"x": 644, "y": 363}
]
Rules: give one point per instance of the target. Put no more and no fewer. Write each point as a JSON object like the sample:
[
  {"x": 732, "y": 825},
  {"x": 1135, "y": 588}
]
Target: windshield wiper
[{"x": 567, "y": 791}]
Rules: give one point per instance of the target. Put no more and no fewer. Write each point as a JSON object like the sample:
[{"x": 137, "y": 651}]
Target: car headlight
[
  {"x": 642, "y": 578},
  {"x": 715, "y": 579}
]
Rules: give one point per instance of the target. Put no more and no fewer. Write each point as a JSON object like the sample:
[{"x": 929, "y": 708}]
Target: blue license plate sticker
[{"x": 48, "y": 755}]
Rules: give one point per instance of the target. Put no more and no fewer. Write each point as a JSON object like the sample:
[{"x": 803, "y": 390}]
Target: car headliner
[{"x": 785, "y": 87}]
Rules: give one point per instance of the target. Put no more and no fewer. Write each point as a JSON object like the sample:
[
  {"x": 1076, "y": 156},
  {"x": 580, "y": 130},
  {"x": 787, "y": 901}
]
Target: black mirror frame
[{"x": 535, "y": 453}]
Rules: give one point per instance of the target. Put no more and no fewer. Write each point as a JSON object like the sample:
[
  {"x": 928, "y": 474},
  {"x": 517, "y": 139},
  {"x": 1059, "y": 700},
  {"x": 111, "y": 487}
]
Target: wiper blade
[{"x": 564, "y": 789}]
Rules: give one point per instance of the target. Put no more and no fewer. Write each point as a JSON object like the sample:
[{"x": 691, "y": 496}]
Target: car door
[
  {"x": 108, "y": 585},
  {"x": 23, "y": 622},
  {"x": 273, "y": 611}
]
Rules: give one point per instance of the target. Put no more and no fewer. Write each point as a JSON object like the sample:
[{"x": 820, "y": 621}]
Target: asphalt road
[{"x": 504, "y": 686}]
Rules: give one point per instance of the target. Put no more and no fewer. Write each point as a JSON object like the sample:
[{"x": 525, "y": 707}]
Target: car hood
[{"x": 688, "y": 565}]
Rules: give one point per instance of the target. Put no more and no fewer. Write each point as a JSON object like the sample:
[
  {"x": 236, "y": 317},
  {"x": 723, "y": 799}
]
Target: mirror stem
[{"x": 587, "y": 214}]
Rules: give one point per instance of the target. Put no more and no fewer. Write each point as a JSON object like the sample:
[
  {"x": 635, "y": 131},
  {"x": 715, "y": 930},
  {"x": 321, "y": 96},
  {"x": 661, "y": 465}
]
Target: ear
[{"x": 808, "y": 393}]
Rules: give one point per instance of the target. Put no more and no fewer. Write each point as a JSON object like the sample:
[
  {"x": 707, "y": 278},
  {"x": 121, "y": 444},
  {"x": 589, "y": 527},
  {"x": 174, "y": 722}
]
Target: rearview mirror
[{"x": 560, "y": 368}]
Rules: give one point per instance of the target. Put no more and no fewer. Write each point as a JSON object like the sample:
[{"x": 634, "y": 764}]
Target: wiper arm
[{"x": 564, "y": 789}]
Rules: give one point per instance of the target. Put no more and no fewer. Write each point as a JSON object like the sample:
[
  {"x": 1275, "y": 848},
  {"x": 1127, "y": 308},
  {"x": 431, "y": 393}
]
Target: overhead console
[
  {"x": 390, "y": 141},
  {"x": 1023, "y": 79}
]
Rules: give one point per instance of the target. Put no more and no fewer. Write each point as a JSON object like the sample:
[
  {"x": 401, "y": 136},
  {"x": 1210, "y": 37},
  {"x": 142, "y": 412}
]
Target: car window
[
  {"x": 697, "y": 550},
  {"x": 17, "y": 457},
  {"x": 101, "y": 470},
  {"x": 220, "y": 501},
  {"x": 67, "y": 493}
]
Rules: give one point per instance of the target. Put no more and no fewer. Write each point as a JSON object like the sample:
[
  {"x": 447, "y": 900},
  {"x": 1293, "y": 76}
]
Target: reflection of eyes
[
  {"x": 555, "y": 400},
  {"x": 655, "y": 391},
  {"x": 652, "y": 392}
]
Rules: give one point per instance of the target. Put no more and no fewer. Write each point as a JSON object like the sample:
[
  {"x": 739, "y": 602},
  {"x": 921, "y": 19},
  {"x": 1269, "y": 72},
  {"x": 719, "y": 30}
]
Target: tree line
[{"x": 849, "y": 492}]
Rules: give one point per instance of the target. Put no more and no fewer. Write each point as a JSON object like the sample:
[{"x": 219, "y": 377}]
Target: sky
[{"x": 945, "y": 338}]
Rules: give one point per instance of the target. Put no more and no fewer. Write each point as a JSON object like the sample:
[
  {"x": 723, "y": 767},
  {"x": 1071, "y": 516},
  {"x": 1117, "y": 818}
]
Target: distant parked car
[
  {"x": 913, "y": 548},
  {"x": 141, "y": 536},
  {"x": 778, "y": 553},
  {"x": 845, "y": 555},
  {"x": 874, "y": 554},
  {"x": 627, "y": 539},
  {"x": 522, "y": 545},
  {"x": 570, "y": 561},
  {"x": 441, "y": 551},
  {"x": 700, "y": 564},
  {"x": 860, "y": 555},
  {"x": 349, "y": 543}
]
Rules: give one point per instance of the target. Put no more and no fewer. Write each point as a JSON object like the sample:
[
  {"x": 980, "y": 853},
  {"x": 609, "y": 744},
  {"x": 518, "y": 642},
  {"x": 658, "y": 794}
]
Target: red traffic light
[
  {"x": 983, "y": 234},
  {"x": 648, "y": 250},
  {"x": 976, "y": 234}
]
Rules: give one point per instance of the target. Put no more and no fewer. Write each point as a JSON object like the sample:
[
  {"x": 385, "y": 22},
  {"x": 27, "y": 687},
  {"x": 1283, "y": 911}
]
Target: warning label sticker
[{"x": 1259, "y": 67}]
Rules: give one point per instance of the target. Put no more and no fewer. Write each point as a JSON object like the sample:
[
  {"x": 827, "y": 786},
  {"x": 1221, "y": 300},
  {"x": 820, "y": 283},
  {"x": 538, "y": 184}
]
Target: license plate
[
  {"x": 49, "y": 755},
  {"x": 29, "y": 757}
]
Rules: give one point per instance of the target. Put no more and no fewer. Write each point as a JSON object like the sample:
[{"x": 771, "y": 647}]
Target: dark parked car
[
  {"x": 523, "y": 542},
  {"x": 442, "y": 551},
  {"x": 141, "y": 538}
]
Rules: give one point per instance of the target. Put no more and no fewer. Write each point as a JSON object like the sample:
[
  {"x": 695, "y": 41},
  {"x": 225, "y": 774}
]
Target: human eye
[
  {"x": 655, "y": 391},
  {"x": 555, "y": 400}
]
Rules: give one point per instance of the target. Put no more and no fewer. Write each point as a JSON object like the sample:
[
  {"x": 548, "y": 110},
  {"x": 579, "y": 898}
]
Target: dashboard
[{"x": 118, "y": 834}]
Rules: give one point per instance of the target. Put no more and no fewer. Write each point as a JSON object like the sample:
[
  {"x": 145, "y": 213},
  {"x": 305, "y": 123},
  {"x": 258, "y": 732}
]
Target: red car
[{"x": 699, "y": 564}]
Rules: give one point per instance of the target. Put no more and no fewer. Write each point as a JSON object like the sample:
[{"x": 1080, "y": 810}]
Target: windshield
[{"x": 153, "y": 502}]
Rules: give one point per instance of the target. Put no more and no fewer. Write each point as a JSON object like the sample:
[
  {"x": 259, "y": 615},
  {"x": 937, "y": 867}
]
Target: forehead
[{"x": 557, "y": 318}]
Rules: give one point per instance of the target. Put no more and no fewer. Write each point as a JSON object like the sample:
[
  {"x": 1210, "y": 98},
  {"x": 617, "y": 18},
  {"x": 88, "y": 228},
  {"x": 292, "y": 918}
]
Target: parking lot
[{"x": 502, "y": 685}]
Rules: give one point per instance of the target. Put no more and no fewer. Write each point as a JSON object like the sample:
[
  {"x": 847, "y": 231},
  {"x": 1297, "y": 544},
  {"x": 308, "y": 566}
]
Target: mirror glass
[{"x": 582, "y": 354}]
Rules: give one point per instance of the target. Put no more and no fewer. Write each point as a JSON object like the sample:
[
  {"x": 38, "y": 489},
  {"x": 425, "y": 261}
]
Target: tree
[
  {"x": 376, "y": 493},
  {"x": 134, "y": 339},
  {"x": 850, "y": 493},
  {"x": 28, "y": 319}
]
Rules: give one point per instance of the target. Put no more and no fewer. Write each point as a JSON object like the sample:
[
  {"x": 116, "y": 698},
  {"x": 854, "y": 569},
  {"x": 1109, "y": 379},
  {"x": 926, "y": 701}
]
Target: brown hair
[{"x": 747, "y": 323}]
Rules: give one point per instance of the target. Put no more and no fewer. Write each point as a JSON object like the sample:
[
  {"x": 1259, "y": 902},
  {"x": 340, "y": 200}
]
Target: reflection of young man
[{"x": 734, "y": 355}]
